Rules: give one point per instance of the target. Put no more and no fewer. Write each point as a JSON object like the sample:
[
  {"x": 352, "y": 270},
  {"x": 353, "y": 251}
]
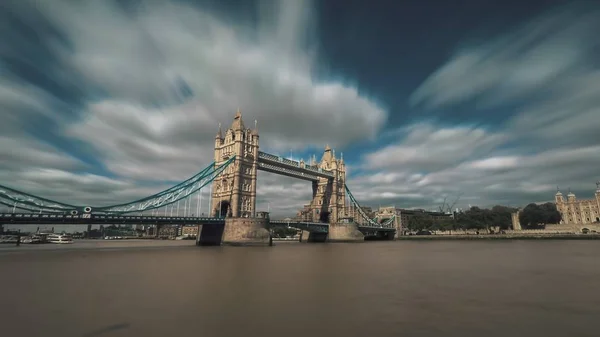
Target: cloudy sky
[{"x": 103, "y": 102}]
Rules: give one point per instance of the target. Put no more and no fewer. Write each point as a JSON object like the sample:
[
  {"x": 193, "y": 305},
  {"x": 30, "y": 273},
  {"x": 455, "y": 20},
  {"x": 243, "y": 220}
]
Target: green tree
[
  {"x": 482, "y": 218},
  {"x": 537, "y": 216}
]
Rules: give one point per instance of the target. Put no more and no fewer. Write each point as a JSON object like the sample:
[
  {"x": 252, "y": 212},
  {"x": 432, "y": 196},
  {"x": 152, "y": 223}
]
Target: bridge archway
[
  {"x": 324, "y": 216},
  {"x": 223, "y": 208}
]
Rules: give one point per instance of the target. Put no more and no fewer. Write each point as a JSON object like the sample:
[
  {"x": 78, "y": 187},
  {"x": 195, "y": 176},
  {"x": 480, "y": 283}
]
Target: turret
[
  {"x": 571, "y": 197},
  {"x": 558, "y": 197}
]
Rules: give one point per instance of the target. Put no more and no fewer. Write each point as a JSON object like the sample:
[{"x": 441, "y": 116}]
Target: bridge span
[{"x": 232, "y": 216}]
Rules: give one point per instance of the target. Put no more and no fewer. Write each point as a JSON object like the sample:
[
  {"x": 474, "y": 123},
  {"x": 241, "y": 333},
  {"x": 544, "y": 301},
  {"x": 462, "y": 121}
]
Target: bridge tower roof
[{"x": 238, "y": 123}]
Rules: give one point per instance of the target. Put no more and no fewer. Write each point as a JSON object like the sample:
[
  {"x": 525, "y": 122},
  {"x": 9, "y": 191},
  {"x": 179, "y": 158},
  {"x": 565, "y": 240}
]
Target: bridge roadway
[{"x": 95, "y": 219}]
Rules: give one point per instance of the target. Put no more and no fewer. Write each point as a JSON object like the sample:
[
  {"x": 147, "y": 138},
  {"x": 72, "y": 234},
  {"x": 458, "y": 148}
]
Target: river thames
[{"x": 172, "y": 288}]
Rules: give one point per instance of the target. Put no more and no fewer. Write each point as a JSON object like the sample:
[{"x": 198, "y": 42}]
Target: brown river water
[{"x": 374, "y": 289}]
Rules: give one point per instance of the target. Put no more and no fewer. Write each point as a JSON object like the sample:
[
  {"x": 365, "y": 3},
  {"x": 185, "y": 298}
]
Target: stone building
[
  {"x": 575, "y": 211},
  {"x": 353, "y": 212},
  {"x": 234, "y": 192},
  {"x": 189, "y": 230},
  {"x": 329, "y": 196}
]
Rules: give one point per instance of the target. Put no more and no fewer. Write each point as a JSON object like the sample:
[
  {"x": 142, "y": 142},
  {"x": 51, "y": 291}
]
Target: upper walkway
[{"x": 291, "y": 168}]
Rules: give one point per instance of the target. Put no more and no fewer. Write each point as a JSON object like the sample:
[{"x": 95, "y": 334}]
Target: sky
[{"x": 496, "y": 102}]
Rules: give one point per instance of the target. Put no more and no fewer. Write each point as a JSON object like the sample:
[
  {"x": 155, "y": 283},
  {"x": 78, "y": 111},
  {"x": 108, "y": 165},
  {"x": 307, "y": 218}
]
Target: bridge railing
[{"x": 86, "y": 216}]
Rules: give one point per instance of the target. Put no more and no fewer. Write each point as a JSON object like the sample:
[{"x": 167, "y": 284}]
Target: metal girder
[
  {"x": 87, "y": 219},
  {"x": 292, "y": 165},
  {"x": 171, "y": 195},
  {"x": 22, "y": 201},
  {"x": 370, "y": 223},
  {"x": 286, "y": 172},
  {"x": 15, "y": 199}
]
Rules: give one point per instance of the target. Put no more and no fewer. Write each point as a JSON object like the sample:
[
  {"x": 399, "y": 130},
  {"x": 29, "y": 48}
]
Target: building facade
[
  {"x": 234, "y": 192},
  {"x": 575, "y": 211},
  {"x": 189, "y": 230},
  {"x": 329, "y": 195}
]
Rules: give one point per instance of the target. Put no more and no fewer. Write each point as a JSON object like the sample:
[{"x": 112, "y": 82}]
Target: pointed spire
[
  {"x": 220, "y": 132},
  {"x": 238, "y": 123}
]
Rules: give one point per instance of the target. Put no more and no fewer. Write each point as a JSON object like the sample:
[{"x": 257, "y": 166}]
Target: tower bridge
[{"x": 232, "y": 216}]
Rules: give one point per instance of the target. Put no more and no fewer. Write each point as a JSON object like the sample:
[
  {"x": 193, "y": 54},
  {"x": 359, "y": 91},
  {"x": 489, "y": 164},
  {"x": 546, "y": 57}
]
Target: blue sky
[{"x": 103, "y": 102}]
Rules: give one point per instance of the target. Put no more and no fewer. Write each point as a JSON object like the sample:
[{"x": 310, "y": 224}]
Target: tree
[
  {"x": 478, "y": 218},
  {"x": 537, "y": 216}
]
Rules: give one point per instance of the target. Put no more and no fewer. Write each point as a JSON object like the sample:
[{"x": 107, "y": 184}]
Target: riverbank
[{"x": 503, "y": 237}]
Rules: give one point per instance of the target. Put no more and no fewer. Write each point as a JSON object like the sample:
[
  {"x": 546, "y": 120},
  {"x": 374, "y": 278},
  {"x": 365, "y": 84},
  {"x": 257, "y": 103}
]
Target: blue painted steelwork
[
  {"x": 171, "y": 195},
  {"x": 27, "y": 202},
  {"x": 86, "y": 219},
  {"x": 276, "y": 164},
  {"x": 370, "y": 223}
]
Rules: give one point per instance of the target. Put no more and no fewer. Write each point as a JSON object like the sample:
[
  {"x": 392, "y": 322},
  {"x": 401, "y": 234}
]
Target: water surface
[{"x": 481, "y": 288}]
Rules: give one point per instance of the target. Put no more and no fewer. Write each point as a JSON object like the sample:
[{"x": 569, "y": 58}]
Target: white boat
[{"x": 60, "y": 238}]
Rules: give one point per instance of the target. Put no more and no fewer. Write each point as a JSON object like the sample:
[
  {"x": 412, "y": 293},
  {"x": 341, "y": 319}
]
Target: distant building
[
  {"x": 353, "y": 212},
  {"x": 189, "y": 230},
  {"x": 575, "y": 211},
  {"x": 168, "y": 231}
]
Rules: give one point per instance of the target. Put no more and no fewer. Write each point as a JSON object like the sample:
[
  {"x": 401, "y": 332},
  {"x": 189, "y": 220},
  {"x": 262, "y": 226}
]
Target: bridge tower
[
  {"x": 329, "y": 195},
  {"x": 234, "y": 191}
]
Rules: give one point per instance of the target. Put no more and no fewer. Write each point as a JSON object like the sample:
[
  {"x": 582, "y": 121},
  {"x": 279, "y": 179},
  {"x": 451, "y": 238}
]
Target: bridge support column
[
  {"x": 345, "y": 232},
  {"x": 246, "y": 232}
]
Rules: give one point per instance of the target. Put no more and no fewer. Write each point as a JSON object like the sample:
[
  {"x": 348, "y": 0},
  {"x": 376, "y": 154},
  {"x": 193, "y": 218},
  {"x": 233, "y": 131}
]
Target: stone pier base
[
  {"x": 345, "y": 232},
  {"x": 246, "y": 232}
]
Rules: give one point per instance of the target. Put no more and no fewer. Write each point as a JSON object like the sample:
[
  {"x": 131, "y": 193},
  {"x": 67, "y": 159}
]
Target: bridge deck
[
  {"x": 86, "y": 219},
  {"x": 93, "y": 219}
]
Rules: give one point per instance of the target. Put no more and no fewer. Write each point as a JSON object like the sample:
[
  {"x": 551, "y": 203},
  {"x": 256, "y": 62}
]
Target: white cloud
[
  {"x": 138, "y": 70},
  {"x": 421, "y": 174},
  {"x": 428, "y": 147},
  {"x": 558, "y": 44},
  {"x": 143, "y": 126},
  {"x": 146, "y": 58},
  {"x": 548, "y": 70}
]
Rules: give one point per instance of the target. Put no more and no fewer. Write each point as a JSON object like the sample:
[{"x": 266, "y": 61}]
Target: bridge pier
[
  {"x": 345, "y": 232},
  {"x": 246, "y": 232}
]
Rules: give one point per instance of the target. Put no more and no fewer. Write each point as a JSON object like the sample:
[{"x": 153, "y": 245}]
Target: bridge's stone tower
[
  {"x": 234, "y": 191},
  {"x": 329, "y": 195}
]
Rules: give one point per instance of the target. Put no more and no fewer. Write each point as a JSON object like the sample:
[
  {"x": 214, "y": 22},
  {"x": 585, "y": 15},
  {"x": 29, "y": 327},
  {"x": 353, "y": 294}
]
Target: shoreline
[{"x": 501, "y": 237}]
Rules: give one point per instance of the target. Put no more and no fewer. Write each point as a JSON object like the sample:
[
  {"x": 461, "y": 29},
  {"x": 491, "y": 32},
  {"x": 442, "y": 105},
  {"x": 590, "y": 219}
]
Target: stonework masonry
[
  {"x": 575, "y": 211},
  {"x": 246, "y": 231},
  {"x": 234, "y": 191},
  {"x": 576, "y": 214}
]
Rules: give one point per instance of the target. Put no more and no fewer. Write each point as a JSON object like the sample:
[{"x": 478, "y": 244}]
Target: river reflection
[{"x": 507, "y": 288}]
